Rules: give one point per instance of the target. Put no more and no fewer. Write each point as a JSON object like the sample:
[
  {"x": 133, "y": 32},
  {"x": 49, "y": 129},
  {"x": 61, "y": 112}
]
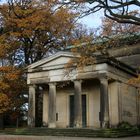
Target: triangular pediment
[{"x": 56, "y": 60}]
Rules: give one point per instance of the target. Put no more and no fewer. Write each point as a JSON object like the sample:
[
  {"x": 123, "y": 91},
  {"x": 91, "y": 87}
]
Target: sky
[{"x": 92, "y": 20}]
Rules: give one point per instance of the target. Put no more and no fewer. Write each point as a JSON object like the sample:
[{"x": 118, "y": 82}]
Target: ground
[{"x": 12, "y": 137}]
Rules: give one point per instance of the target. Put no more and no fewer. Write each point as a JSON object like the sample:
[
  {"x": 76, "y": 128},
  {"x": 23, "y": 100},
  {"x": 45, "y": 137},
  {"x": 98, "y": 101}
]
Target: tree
[
  {"x": 117, "y": 10},
  {"x": 12, "y": 90},
  {"x": 4, "y": 106},
  {"x": 32, "y": 28},
  {"x": 81, "y": 34},
  {"x": 4, "y": 103},
  {"x": 110, "y": 27}
]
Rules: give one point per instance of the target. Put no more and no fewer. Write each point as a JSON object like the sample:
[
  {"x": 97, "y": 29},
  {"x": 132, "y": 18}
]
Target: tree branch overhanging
[{"x": 118, "y": 10}]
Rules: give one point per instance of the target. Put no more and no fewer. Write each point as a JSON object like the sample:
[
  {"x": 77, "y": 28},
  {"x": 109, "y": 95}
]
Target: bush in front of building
[{"x": 124, "y": 125}]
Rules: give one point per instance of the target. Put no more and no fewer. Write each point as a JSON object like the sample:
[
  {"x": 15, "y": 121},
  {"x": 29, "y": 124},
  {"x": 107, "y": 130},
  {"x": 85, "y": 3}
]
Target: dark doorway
[
  {"x": 84, "y": 114},
  {"x": 38, "y": 109},
  {"x": 84, "y": 110},
  {"x": 71, "y": 110}
]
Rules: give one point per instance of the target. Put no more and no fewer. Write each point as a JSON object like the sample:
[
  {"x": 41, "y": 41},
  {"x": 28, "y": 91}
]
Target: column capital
[
  {"x": 77, "y": 80},
  {"x": 32, "y": 85},
  {"x": 103, "y": 79},
  {"x": 52, "y": 83}
]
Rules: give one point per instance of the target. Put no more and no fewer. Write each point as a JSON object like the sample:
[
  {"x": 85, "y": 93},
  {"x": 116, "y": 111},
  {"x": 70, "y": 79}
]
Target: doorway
[{"x": 84, "y": 110}]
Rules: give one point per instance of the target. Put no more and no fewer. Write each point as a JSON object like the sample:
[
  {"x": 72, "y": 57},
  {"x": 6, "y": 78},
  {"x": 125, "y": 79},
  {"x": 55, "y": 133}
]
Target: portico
[{"x": 84, "y": 98}]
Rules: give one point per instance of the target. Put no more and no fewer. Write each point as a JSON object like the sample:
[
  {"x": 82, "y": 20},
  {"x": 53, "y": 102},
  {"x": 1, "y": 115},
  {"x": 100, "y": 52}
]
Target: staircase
[{"x": 73, "y": 132}]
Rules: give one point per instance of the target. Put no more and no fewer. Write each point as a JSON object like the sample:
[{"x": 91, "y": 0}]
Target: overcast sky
[{"x": 93, "y": 20}]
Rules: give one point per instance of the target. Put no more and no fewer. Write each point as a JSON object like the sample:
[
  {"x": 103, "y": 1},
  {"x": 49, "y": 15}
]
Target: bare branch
[{"x": 118, "y": 10}]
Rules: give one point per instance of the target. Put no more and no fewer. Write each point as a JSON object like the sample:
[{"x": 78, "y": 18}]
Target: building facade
[{"x": 94, "y": 96}]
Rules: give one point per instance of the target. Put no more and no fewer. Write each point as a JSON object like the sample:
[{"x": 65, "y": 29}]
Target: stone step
[{"x": 73, "y": 132}]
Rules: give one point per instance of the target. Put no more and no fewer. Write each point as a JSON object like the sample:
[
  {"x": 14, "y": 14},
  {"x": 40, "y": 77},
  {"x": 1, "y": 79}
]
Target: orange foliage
[
  {"x": 35, "y": 27},
  {"x": 12, "y": 85},
  {"x": 4, "y": 103},
  {"x": 111, "y": 27},
  {"x": 135, "y": 81}
]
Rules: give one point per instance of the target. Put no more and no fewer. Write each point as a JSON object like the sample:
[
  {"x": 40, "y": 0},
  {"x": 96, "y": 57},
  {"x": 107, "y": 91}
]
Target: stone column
[
  {"x": 77, "y": 104},
  {"x": 31, "y": 106},
  {"x": 52, "y": 106},
  {"x": 104, "y": 103},
  {"x": 45, "y": 108}
]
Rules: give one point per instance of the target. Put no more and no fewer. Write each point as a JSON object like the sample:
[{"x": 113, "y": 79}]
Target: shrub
[{"x": 124, "y": 125}]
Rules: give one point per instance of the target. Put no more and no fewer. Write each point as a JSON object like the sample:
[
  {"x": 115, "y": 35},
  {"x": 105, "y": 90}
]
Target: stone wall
[{"x": 128, "y": 101}]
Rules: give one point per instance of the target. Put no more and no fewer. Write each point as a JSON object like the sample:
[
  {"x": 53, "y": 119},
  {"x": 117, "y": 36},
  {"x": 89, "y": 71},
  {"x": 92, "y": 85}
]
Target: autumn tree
[
  {"x": 33, "y": 28},
  {"x": 81, "y": 34},
  {"x": 12, "y": 86},
  {"x": 110, "y": 27},
  {"x": 4, "y": 106}
]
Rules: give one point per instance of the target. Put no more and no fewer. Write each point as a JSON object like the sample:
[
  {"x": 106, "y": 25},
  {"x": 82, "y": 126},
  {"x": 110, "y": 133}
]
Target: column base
[
  {"x": 51, "y": 125},
  {"x": 105, "y": 124},
  {"x": 45, "y": 124},
  {"x": 78, "y": 125},
  {"x": 31, "y": 122}
]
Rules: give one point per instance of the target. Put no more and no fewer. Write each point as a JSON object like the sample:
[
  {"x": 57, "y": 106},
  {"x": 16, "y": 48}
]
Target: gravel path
[{"x": 12, "y": 137}]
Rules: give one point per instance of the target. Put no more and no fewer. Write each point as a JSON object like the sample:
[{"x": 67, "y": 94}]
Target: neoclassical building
[{"x": 93, "y": 96}]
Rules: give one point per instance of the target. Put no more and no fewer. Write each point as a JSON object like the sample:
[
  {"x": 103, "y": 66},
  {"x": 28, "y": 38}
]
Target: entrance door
[
  {"x": 84, "y": 115},
  {"x": 84, "y": 110},
  {"x": 71, "y": 110}
]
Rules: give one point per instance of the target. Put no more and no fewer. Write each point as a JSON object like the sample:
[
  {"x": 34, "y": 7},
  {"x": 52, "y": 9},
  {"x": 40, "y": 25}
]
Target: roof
[
  {"x": 99, "y": 59},
  {"x": 52, "y": 57},
  {"x": 118, "y": 64},
  {"x": 123, "y": 38}
]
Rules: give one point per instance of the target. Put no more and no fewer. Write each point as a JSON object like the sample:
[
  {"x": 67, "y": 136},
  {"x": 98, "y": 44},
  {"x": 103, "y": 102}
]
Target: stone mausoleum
[{"x": 94, "y": 96}]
